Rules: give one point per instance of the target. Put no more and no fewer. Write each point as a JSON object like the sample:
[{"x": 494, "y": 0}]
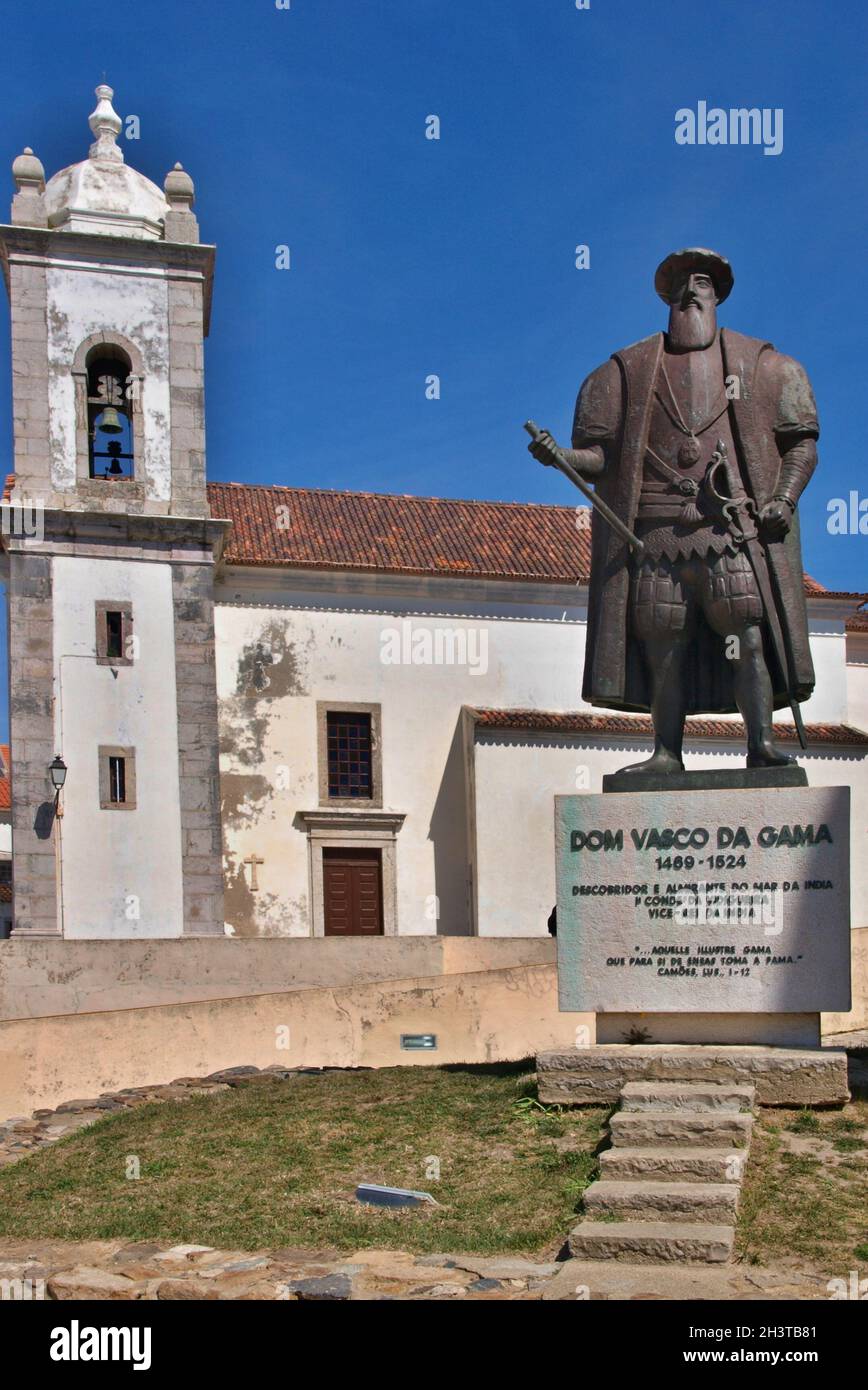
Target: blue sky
[{"x": 410, "y": 257}]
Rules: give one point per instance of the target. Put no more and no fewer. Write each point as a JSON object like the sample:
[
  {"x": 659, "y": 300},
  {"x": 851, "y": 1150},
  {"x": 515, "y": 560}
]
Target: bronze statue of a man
[{"x": 700, "y": 441}]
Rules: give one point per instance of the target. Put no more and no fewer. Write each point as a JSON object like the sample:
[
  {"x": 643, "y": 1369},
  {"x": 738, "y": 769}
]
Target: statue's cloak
[{"x": 773, "y": 391}]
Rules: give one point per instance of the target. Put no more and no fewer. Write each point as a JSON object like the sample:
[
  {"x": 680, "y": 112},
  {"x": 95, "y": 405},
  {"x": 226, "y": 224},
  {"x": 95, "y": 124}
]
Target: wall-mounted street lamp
[{"x": 57, "y": 772}]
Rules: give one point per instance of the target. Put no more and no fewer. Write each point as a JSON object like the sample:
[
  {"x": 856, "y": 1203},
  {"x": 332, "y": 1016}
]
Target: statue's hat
[{"x": 693, "y": 258}]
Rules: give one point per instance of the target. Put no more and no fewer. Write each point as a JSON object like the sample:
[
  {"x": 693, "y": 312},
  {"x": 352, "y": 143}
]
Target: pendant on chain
[{"x": 689, "y": 452}]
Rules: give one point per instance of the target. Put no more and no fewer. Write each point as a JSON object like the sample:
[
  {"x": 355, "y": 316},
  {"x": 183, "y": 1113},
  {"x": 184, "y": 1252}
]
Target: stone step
[
  {"x": 782, "y": 1075},
  {"x": 675, "y": 1164},
  {"x": 652, "y": 1242},
  {"x": 711, "y": 1202},
  {"x": 714, "y": 1129},
  {"x": 684, "y": 1095}
]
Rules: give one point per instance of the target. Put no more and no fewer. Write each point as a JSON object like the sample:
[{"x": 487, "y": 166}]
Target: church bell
[{"x": 110, "y": 421}]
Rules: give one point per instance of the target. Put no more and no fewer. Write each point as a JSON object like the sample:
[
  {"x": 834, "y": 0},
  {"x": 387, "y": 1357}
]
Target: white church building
[{"x": 285, "y": 712}]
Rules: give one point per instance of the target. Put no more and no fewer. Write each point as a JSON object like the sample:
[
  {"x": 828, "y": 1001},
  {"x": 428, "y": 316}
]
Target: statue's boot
[
  {"x": 753, "y": 693},
  {"x": 764, "y": 752},
  {"x": 662, "y": 761}
]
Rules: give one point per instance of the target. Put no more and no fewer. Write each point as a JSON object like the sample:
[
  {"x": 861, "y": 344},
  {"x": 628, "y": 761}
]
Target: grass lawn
[
  {"x": 276, "y": 1164},
  {"x": 806, "y": 1190}
]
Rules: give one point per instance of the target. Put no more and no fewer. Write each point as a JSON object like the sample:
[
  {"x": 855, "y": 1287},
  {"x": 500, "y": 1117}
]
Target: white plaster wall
[
  {"x": 828, "y": 704},
  {"x": 131, "y": 302},
  {"x": 109, "y": 856},
  {"x": 515, "y": 834},
  {"x": 857, "y": 681},
  {"x": 534, "y": 657},
  {"x": 327, "y": 643}
]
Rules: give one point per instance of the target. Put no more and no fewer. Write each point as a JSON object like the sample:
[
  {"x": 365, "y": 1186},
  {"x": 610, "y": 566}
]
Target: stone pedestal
[
  {"x": 705, "y": 902},
  {"x": 782, "y": 1076},
  {"x": 724, "y": 1029}
]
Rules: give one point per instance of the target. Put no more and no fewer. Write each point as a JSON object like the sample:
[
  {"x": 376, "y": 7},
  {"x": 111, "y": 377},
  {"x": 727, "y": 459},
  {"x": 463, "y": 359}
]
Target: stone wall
[
  {"x": 198, "y": 766},
  {"x": 480, "y": 1016},
  {"x": 31, "y": 727},
  {"x": 81, "y": 1017},
  {"x": 41, "y": 978}
]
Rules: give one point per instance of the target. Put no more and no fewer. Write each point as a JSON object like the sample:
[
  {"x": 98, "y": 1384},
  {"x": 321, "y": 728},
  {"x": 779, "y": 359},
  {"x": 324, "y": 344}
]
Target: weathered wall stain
[
  {"x": 242, "y": 740},
  {"x": 242, "y": 797},
  {"x": 238, "y": 899},
  {"x": 268, "y": 665},
  {"x": 268, "y": 669},
  {"x": 259, "y": 913}
]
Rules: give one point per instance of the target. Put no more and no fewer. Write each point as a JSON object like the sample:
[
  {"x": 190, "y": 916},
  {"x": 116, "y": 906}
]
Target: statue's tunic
[
  {"x": 689, "y": 391},
  {"x": 618, "y": 409}
]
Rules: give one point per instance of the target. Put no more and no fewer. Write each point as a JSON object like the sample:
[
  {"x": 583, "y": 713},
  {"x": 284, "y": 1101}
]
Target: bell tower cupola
[{"x": 110, "y": 292}]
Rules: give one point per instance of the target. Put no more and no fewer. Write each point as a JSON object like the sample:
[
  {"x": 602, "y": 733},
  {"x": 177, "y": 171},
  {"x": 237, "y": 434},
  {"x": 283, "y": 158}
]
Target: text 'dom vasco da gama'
[{"x": 677, "y": 901}]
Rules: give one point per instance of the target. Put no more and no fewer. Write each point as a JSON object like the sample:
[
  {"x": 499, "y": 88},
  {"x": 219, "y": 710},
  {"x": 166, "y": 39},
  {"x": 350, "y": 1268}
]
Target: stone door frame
[{"x": 353, "y": 830}]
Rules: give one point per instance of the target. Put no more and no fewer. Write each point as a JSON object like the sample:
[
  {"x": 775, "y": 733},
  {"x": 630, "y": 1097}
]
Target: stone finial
[
  {"x": 28, "y": 172},
  {"x": 179, "y": 189},
  {"x": 180, "y": 222},
  {"x": 105, "y": 123},
  {"x": 28, "y": 205}
]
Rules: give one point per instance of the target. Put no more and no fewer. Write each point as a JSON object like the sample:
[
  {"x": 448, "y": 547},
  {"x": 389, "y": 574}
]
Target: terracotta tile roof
[
  {"x": 320, "y": 529},
  {"x": 858, "y": 623},
  {"x": 316, "y": 528},
  {"x": 391, "y": 533},
  {"x": 639, "y": 726},
  {"x": 5, "y": 892},
  {"x": 5, "y": 774}
]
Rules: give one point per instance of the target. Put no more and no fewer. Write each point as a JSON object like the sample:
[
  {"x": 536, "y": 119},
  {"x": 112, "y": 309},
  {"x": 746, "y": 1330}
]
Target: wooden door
[{"x": 353, "y": 892}]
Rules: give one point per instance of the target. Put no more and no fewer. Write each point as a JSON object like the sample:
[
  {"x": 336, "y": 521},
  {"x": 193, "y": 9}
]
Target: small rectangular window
[
  {"x": 114, "y": 621},
  {"x": 114, "y": 633},
  {"x": 117, "y": 779}
]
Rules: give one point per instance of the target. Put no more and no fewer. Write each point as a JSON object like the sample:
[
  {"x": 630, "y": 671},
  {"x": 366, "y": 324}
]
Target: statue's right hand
[{"x": 544, "y": 449}]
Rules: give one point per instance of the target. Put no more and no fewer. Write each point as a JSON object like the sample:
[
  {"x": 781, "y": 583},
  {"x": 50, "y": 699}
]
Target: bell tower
[{"x": 109, "y": 551}]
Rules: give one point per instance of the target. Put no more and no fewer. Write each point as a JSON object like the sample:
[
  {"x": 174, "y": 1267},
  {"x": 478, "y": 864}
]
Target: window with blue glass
[{"x": 349, "y": 752}]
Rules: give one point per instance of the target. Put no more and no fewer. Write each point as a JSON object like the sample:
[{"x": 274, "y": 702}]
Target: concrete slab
[{"x": 618, "y": 1279}]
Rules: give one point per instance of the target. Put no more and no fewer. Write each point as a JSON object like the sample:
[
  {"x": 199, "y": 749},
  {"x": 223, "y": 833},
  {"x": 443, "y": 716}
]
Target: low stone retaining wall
[
  {"x": 39, "y": 978},
  {"x": 480, "y": 1016}
]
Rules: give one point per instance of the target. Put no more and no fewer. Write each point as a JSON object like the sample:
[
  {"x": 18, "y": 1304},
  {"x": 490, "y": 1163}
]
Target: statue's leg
[
  {"x": 733, "y": 607},
  {"x": 662, "y": 612},
  {"x": 753, "y": 695}
]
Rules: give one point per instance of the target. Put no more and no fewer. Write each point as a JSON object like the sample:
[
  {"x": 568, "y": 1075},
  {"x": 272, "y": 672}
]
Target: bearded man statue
[{"x": 701, "y": 441}]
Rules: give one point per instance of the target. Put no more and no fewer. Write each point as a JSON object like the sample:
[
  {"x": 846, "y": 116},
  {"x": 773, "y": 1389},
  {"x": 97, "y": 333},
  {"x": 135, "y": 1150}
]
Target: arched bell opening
[{"x": 110, "y": 435}]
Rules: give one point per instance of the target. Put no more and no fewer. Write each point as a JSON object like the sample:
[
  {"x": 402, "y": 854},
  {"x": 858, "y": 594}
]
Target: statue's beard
[{"x": 692, "y": 326}]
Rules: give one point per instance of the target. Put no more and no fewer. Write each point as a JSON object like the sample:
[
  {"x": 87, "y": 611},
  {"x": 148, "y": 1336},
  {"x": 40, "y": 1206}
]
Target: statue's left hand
[{"x": 776, "y": 518}]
